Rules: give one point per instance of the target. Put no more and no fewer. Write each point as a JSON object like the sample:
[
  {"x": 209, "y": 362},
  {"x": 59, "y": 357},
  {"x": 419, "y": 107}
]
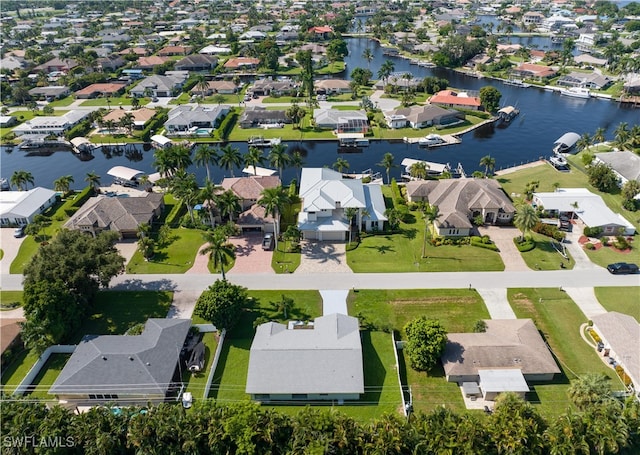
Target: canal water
[{"x": 544, "y": 117}]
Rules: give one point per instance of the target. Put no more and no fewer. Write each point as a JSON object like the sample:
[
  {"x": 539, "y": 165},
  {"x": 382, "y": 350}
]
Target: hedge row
[
  {"x": 481, "y": 242},
  {"x": 81, "y": 129},
  {"x": 173, "y": 218},
  {"x": 549, "y": 230},
  {"x": 155, "y": 124},
  {"x": 227, "y": 124}
]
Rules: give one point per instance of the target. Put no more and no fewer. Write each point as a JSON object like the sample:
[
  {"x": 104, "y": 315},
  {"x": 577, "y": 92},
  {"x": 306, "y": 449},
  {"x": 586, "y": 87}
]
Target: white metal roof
[
  {"x": 23, "y": 204},
  {"x": 123, "y": 172},
  {"x": 433, "y": 167},
  {"x": 504, "y": 380},
  {"x": 160, "y": 139},
  {"x": 260, "y": 171},
  {"x": 568, "y": 139}
]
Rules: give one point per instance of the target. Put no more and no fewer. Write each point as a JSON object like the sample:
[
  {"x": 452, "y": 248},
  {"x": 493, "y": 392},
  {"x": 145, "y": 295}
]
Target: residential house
[
  {"x": 7, "y": 120},
  {"x": 110, "y": 63},
  {"x": 196, "y": 62},
  {"x": 11, "y": 62},
  {"x": 267, "y": 86},
  {"x": 54, "y": 124},
  {"x": 249, "y": 189},
  {"x": 332, "y": 86},
  {"x": 215, "y": 50},
  {"x": 620, "y": 335},
  {"x": 139, "y": 51},
  {"x": 102, "y": 89},
  {"x": 57, "y": 64},
  {"x": 159, "y": 86},
  {"x": 221, "y": 87},
  {"x": 140, "y": 116},
  {"x": 626, "y": 165},
  {"x": 461, "y": 100},
  {"x": 326, "y": 194},
  {"x": 422, "y": 116},
  {"x": 129, "y": 369},
  {"x": 510, "y": 353},
  {"x": 400, "y": 81},
  {"x": 355, "y": 121},
  {"x": 587, "y": 206},
  {"x": 585, "y": 80},
  {"x": 19, "y": 208},
  {"x": 121, "y": 215},
  {"x": 533, "y": 71},
  {"x": 169, "y": 51},
  {"x": 49, "y": 92},
  {"x": 321, "y": 32},
  {"x": 532, "y": 18},
  {"x": 590, "y": 60},
  {"x": 186, "y": 118},
  {"x": 148, "y": 63},
  {"x": 462, "y": 200},
  {"x": 314, "y": 361},
  {"x": 252, "y": 35},
  {"x": 242, "y": 63},
  {"x": 255, "y": 116}
]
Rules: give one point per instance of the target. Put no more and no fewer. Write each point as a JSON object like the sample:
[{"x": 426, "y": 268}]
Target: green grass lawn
[
  {"x": 287, "y": 133},
  {"x": 196, "y": 382},
  {"x": 558, "y": 319},
  {"x": 114, "y": 312},
  {"x": 114, "y": 102},
  {"x": 62, "y": 102},
  {"x": 387, "y": 133},
  {"x": 47, "y": 376},
  {"x": 177, "y": 257},
  {"x": 10, "y": 299},
  {"x": 544, "y": 256},
  {"x": 14, "y": 372},
  {"x": 456, "y": 309},
  {"x": 282, "y": 261},
  {"x": 231, "y": 261},
  {"x": 609, "y": 255},
  {"x": 620, "y": 299}
]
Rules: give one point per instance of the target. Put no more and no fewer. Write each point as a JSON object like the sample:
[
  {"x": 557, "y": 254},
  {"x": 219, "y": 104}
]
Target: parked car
[
  {"x": 267, "y": 242},
  {"x": 19, "y": 232},
  {"x": 187, "y": 400},
  {"x": 620, "y": 268}
]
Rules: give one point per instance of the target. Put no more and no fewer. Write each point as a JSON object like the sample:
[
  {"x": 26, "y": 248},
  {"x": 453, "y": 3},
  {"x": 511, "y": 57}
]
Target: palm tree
[
  {"x": 273, "y": 200},
  {"x": 253, "y": 158},
  {"x": 387, "y": 163},
  {"x": 204, "y": 156},
  {"x": 63, "y": 183},
  {"x": 208, "y": 195},
  {"x": 296, "y": 162},
  {"x": 341, "y": 164},
  {"x": 418, "y": 170},
  {"x": 584, "y": 142},
  {"x": 230, "y": 158},
  {"x": 588, "y": 390},
  {"x": 20, "y": 179},
  {"x": 575, "y": 206},
  {"x": 135, "y": 103},
  {"x": 598, "y": 136},
  {"x": 386, "y": 69},
  {"x": 127, "y": 121},
  {"x": 488, "y": 163},
  {"x": 228, "y": 204},
  {"x": 430, "y": 213},
  {"x": 202, "y": 85},
  {"x": 349, "y": 213},
  {"x": 622, "y": 135},
  {"x": 218, "y": 249},
  {"x": 110, "y": 125},
  {"x": 146, "y": 246},
  {"x": 279, "y": 157},
  {"x": 170, "y": 160},
  {"x": 368, "y": 56},
  {"x": 285, "y": 304},
  {"x": 185, "y": 188},
  {"x": 525, "y": 218},
  {"x": 93, "y": 179}
]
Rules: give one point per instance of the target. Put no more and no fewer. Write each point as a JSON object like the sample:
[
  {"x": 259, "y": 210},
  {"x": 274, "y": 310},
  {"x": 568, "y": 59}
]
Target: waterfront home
[
  {"x": 332, "y": 86},
  {"x": 241, "y": 63},
  {"x": 104, "y": 89},
  {"x": 268, "y": 86},
  {"x": 625, "y": 164},
  {"x": 140, "y": 116},
  {"x": 533, "y": 71},
  {"x": 587, "y": 59},
  {"x": 585, "y": 80},
  {"x": 249, "y": 189},
  {"x": 129, "y": 369},
  {"x": 462, "y": 200},
  {"x": 139, "y": 51},
  {"x": 421, "y": 116},
  {"x": 501, "y": 359},
  {"x": 320, "y": 32},
  {"x": 326, "y": 194},
  {"x": 54, "y": 124},
  {"x": 18, "y": 208},
  {"x": 620, "y": 335},
  {"x": 197, "y": 62},
  {"x": 399, "y": 81},
  {"x": 532, "y": 18},
  {"x": 587, "y": 206},
  {"x": 340, "y": 121},
  {"x": 319, "y": 360},
  {"x": 449, "y": 98},
  {"x": 257, "y": 116},
  {"x": 50, "y": 92},
  {"x": 158, "y": 86},
  {"x": 186, "y": 118},
  {"x": 7, "y": 121},
  {"x": 117, "y": 214}
]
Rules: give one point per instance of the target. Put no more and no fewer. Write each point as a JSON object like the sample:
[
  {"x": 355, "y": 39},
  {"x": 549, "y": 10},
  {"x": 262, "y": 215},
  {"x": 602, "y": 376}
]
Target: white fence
[{"x": 25, "y": 385}]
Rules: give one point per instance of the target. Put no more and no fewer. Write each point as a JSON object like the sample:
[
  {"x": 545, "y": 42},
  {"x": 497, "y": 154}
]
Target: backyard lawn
[
  {"x": 176, "y": 257},
  {"x": 14, "y": 372},
  {"x": 558, "y": 319},
  {"x": 544, "y": 256},
  {"x": 286, "y": 133},
  {"x": 620, "y": 299},
  {"x": 47, "y": 376}
]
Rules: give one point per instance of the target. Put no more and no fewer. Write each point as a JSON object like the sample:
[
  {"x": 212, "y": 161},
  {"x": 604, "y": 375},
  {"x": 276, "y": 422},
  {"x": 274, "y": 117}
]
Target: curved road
[{"x": 437, "y": 280}]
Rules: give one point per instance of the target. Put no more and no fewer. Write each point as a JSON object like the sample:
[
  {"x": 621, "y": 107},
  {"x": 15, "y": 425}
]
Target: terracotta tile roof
[
  {"x": 143, "y": 114},
  {"x": 151, "y": 61},
  {"x": 241, "y": 61},
  {"x": 101, "y": 88},
  {"x": 451, "y": 97}
]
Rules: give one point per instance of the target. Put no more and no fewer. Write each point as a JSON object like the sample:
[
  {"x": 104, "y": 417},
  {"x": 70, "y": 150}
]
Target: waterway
[{"x": 544, "y": 117}]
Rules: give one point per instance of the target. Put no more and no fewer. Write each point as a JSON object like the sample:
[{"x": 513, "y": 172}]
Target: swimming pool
[{"x": 203, "y": 132}]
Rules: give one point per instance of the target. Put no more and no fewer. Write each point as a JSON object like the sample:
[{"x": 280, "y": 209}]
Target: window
[{"x": 299, "y": 396}]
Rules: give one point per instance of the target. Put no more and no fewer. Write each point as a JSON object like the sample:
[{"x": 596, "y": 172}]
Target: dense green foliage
[
  {"x": 222, "y": 304},
  {"x": 602, "y": 177},
  {"x": 426, "y": 339},
  {"x": 245, "y": 428}
]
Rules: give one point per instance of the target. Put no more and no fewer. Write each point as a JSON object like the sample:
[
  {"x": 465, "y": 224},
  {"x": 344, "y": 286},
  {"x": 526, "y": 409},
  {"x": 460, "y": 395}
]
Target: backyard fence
[{"x": 25, "y": 385}]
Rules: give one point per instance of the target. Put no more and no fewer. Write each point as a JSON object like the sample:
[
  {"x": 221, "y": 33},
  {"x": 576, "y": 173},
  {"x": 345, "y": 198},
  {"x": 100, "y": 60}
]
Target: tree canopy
[
  {"x": 490, "y": 98},
  {"x": 222, "y": 304},
  {"x": 426, "y": 339}
]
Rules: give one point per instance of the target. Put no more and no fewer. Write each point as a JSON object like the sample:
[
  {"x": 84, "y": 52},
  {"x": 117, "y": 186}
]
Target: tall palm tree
[
  {"x": 350, "y": 213},
  {"x": 204, "y": 156},
  {"x": 253, "y": 158},
  {"x": 584, "y": 142},
  {"x": 93, "y": 179},
  {"x": 297, "y": 162},
  {"x": 21, "y": 178},
  {"x": 387, "y": 163},
  {"x": 202, "y": 84},
  {"x": 230, "y": 158},
  {"x": 63, "y": 184},
  {"x": 208, "y": 196},
  {"x": 386, "y": 69},
  {"x": 127, "y": 121},
  {"x": 488, "y": 163},
  {"x": 341, "y": 164},
  {"x": 170, "y": 160},
  {"x": 622, "y": 135},
  {"x": 430, "y": 213},
  {"x": 279, "y": 157},
  {"x": 368, "y": 56},
  {"x": 110, "y": 125},
  {"x": 184, "y": 187},
  {"x": 228, "y": 204},
  {"x": 274, "y": 200},
  {"x": 219, "y": 249},
  {"x": 525, "y": 218},
  {"x": 598, "y": 136}
]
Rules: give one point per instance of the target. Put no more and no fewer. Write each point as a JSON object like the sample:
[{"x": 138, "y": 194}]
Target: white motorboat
[
  {"x": 430, "y": 140},
  {"x": 577, "y": 92}
]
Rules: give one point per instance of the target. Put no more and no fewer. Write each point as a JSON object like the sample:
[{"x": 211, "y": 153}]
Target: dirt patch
[
  {"x": 523, "y": 301},
  {"x": 430, "y": 300}
]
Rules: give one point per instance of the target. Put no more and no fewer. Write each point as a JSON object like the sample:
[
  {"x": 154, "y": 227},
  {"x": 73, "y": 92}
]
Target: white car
[{"x": 187, "y": 400}]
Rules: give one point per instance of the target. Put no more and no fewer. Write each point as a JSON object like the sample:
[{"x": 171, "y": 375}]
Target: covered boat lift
[
  {"x": 259, "y": 171},
  {"x": 160, "y": 141},
  {"x": 125, "y": 175},
  {"x": 565, "y": 142}
]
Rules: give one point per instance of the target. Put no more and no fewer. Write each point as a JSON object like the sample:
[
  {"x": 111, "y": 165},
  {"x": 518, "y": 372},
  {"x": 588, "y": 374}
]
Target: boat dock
[{"x": 448, "y": 139}]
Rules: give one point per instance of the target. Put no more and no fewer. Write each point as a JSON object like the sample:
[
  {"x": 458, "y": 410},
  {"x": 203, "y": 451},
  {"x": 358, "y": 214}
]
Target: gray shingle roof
[
  {"x": 121, "y": 364},
  {"x": 626, "y": 163}
]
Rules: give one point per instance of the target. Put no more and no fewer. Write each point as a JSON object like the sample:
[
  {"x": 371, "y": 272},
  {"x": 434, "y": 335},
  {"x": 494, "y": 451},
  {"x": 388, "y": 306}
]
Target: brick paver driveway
[
  {"x": 250, "y": 257},
  {"x": 323, "y": 257}
]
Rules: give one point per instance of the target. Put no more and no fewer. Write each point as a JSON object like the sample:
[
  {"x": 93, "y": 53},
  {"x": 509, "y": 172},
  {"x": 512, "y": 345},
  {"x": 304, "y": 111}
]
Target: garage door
[{"x": 333, "y": 236}]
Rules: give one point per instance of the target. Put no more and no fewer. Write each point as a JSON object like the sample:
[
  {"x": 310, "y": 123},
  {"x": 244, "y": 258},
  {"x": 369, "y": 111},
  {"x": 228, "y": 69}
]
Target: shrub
[
  {"x": 549, "y": 230},
  {"x": 82, "y": 197},
  {"x": 480, "y": 244},
  {"x": 605, "y": 240},
  {"x": 621, "y": 243},
  {"x": 594, "y": 335},
  {"x": 590, "y": 246},
  {"x": 175, "y": 213},
  {"x": 227, "y": 124},
  {"x": 155, "y": 124},
  {"x": 623, "y": 375},
  {"x": 524, "y": 245},
  {"x": 592, "y": 231}
]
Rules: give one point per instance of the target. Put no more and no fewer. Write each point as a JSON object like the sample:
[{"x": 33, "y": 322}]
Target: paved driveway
[
  {"x": 10, "y": 246},
  {"x": 250, "y": 257},
  {"x": 323, "y": 257},
  {"x": 503, "y": 238},
  {"x": 127, "y": 247}
]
